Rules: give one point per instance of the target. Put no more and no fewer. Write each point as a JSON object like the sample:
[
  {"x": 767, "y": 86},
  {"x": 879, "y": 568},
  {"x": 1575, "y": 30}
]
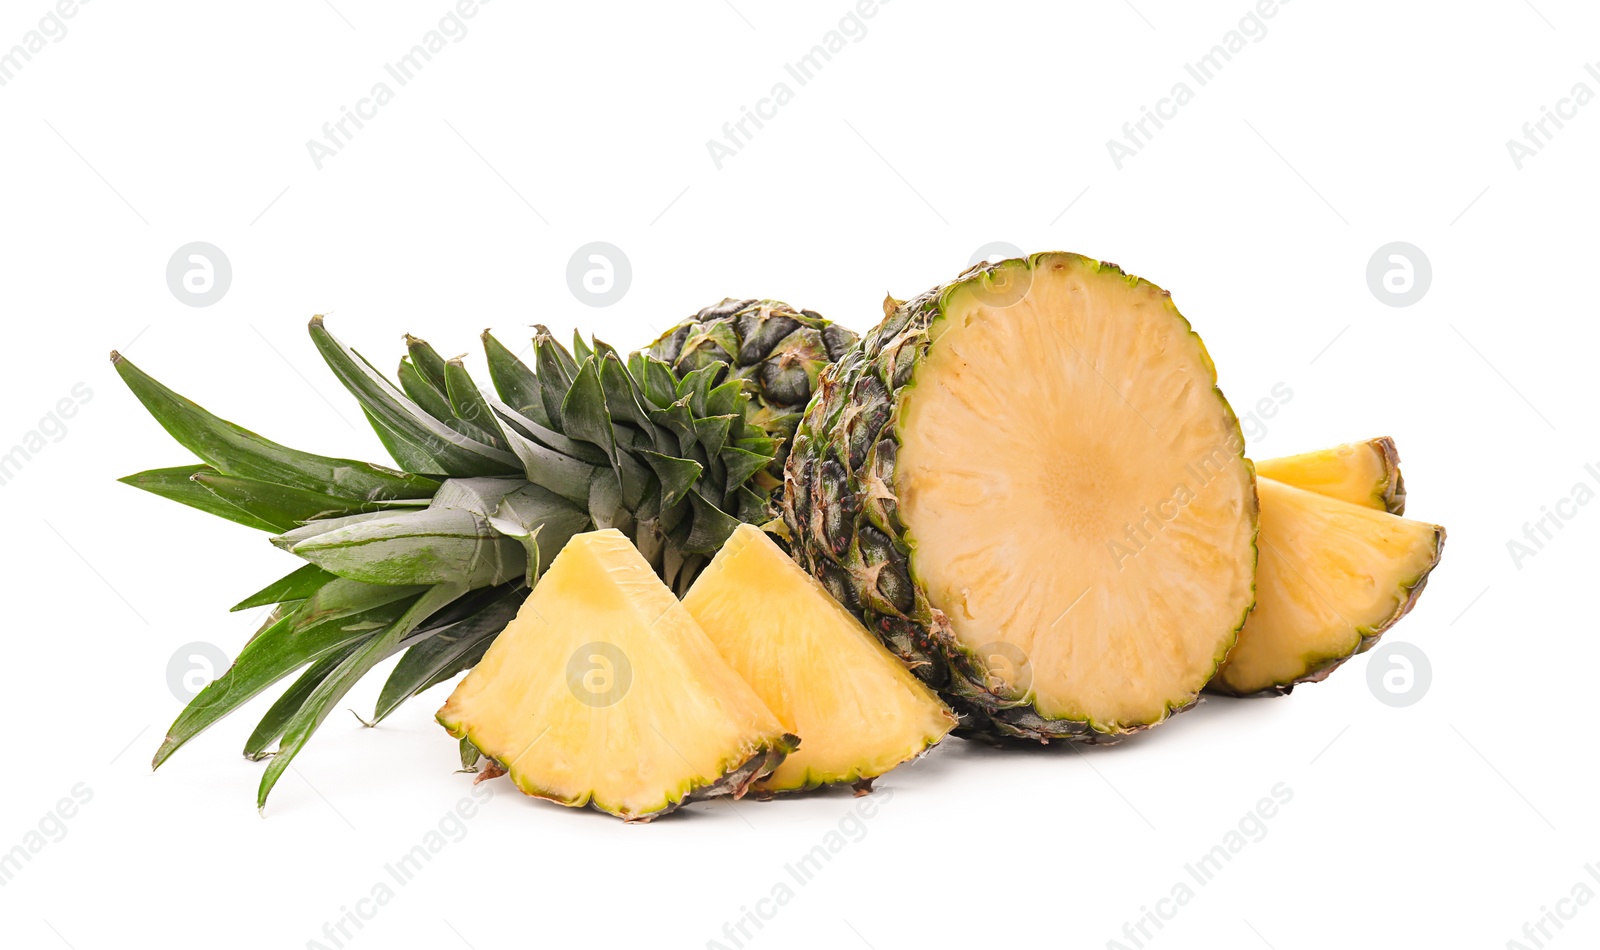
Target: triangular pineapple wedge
[
  {"x": 604, "y": 691},
  {"x": 857, "y": 709},
  {"x": 1332, "y": 577},
  {"x": 1363, "y": 473}
]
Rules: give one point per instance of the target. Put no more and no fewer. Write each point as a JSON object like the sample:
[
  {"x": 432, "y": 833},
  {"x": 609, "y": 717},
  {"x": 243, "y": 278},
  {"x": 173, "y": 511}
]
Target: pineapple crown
[
  {"x": 436, "y": 558},
  {"x": 778, "y": 350}
]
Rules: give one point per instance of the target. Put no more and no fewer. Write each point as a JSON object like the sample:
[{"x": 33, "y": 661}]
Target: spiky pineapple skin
[
  {"x": 840, "y": 508},
  {"x": 779, "y": 351}
]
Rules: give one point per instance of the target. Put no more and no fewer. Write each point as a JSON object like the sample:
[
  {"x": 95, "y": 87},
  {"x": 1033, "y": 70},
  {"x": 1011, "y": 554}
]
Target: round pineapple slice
[
  {"x": 1029, "y": 486},
  {"x": 1334, "y": 576}
]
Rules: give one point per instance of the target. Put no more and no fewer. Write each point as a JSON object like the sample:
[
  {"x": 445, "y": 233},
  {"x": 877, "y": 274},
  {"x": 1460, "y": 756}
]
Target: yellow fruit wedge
[
  {"x": 1362, "y": 473},
  {"x": 604, "y": 691},
  {"x": 1332, "y": 577},
  {"x": 856, "y": 708}
]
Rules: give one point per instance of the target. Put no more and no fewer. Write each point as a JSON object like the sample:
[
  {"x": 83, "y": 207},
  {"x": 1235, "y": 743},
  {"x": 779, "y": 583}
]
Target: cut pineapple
[
  {"x": 857, "y": 709},
  {"x": 1363, "y": 473},
  {"x": 1333, "y": 577},
  {"x": 1028, "y": 485},
  {"x": 605, "y": 691}
]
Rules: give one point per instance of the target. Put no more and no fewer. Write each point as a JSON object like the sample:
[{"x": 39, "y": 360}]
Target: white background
[{"x": 947, "y": 126}]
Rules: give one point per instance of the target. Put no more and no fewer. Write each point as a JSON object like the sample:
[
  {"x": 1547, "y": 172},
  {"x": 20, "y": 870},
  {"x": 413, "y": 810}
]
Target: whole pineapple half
[
  {"x": 434, "y": 560},
  {"x": 777, "y": 349},
  {"x": 1028, "y": 486}
]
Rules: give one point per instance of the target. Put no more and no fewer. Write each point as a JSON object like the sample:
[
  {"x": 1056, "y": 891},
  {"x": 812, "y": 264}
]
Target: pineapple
[
  {"x": 1337, "y": 570},
  {"x": 778, "y": 349},
  {"x": 605, "y": 692},
  {"x": 433, "y": 560},
  {"x": 858, "y": 711},
  {"x": 1027, "y": 485},
  {"x": 1363, "y": 473}
]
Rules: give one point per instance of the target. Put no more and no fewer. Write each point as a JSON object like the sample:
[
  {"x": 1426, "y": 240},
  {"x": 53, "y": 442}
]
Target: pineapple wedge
[
  {"x": 1363, "y": 473},
  {"x": 604, "y": 691},
  {"x": 856, "y": 708},
  {"x": 1332, "y": 577}
]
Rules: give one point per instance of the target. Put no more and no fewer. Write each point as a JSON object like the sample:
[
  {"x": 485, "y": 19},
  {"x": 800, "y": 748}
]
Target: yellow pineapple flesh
[
  {"x": 856, "y": 708},
  {"x": 605, "y": 691},
  {"x": 1332, "y": 577},
  {"x": 1362, "y": 473}
]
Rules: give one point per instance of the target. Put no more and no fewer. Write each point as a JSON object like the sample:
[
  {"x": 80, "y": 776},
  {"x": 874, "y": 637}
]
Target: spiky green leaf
[
  {"x": 280, "y": 504},
  {"x": 270, "y": 656},
  {"x": 178, "y": 484},
  {"x": 311, "y": 714},
  {"x": 432, "y": 546},
  {"x": 298, "y": 585},
  {"x": 270, "y": 728},
  {"x": 471, "y": 409},
  {"x": 450, "y": 452},
  {"x": 237, "y": 451},
  {"x": 513, "y": 380},
  {"x": 446, "y": 647},
  {"x": 428, "y": 362}
]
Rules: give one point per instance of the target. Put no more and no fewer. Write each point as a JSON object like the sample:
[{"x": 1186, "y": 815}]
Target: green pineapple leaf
[
  {"x": 710, "y": 528},
  {"x": 724, "y": 399},
  {"x": 449, "y": 452},
  {"x": 430, "y": 400},
  {"x": 547, "y": 437},
  {"x": 676, "y": 475},
  {"x": 443, "y": 652},
  {"x": 315, "y": 709},
  {"x": 237, "y": 451},
  {"x": 428, "y": 362},
  {"x": 556, "y": 368},
  {"x": 712, "y": 433},
  {"x": 562, "y": 474},
  {"x": 742, "y": 465},
  {"x": 178, "y": 484},
  {"x": 428, "y": 547},
  {"x": 514, "y": 381},
  {"x": 279, "y": 650},
  {"x": 580, "y": 350},
  {"x": 469, "y": 407},
  {"x": 469, "y": 755},
  {"x": 280, "y": 504},
  {"x": 584, "y": 414},
  {"x": 270, "y": 728},
  {"x": 299, "y": 585}
]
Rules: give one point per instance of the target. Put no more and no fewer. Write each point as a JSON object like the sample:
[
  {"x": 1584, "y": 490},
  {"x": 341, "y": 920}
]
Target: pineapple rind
[
  {"x": 839, "y": 483},
  {"x": 734, "y": 780}
]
